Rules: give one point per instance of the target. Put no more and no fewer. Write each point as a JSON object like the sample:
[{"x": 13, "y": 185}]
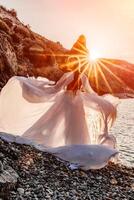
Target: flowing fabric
[
  {"x": 54, "y": 116},
  {"x": 85, "y": 156},
  {"x": 79, "y": 156},
  {"x": 71, "y": 125}
]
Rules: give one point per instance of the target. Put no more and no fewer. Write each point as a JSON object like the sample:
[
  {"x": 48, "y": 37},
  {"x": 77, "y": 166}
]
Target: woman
[{"x": 67, "y": 113}]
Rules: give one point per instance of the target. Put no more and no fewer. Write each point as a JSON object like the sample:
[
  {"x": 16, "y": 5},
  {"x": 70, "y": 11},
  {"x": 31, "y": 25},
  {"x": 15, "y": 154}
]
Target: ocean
[{"x": 123, "y": 130}]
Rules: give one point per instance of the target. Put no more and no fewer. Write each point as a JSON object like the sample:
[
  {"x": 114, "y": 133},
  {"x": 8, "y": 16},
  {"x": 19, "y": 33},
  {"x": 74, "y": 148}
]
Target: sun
[{"x": 94, "y": 55}]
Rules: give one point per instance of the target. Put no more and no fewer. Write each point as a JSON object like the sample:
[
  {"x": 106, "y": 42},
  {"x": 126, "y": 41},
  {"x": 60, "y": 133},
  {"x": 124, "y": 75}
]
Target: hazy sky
[{"x": 107, "y": 24}]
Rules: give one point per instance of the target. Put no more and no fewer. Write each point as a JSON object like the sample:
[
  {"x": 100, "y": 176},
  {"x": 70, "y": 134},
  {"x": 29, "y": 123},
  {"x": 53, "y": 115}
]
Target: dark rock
[{"x": 8, "y": 179}]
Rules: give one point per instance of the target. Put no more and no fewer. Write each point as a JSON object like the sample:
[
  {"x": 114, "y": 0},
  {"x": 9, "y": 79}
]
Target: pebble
[
  {"x": 20, "y": 190},
  {"x": 113, "y": 181}
]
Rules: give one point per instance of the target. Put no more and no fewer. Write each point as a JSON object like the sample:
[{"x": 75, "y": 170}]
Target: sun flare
[
  {"x": 94, "y": 55},
  {"x": 98, "y": 69}
]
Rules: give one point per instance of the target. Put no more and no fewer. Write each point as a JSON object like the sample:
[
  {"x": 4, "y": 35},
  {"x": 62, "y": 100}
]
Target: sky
[{"x": 107, "y": 24}]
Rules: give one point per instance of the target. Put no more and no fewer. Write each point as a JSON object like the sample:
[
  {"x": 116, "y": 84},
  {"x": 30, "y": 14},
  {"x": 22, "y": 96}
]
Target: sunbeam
[
  {"x": 104, "y": 78},
  {"x": 117, "y": 66},
  {"x": 101, "y": 72},
  {"x": 117, "y": 78},
  {"x": 96, "y": 76}
]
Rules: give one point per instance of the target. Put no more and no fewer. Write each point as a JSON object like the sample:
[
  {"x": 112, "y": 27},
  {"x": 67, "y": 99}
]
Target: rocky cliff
[{"x": 23, "y": 52}]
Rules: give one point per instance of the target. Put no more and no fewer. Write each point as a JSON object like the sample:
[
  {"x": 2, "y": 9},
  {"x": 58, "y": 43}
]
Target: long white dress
[
  {"x": 72, "y": 126},
  {"x": 53, "y": 116}
]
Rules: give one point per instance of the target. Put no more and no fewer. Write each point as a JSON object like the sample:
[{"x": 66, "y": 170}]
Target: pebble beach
[{"x": 27, "y": 173}]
